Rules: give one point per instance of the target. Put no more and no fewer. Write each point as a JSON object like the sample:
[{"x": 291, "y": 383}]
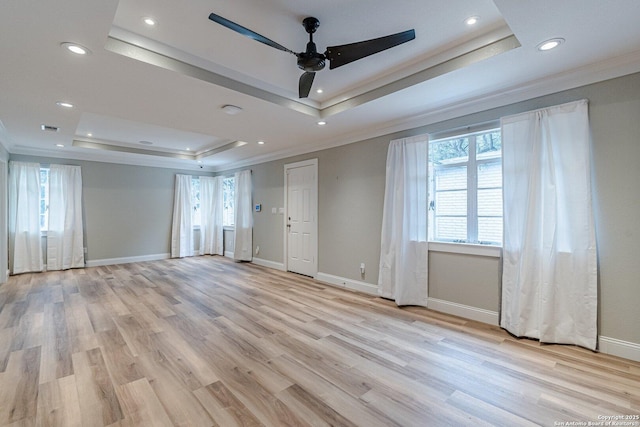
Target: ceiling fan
[{"x": 311, "y": 60}]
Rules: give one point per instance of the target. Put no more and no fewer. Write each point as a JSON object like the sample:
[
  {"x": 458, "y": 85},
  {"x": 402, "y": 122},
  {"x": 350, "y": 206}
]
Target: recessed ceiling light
[
  {"x": 322, "y": 123},
  {"x": 64, "y": 104},
  {"x": 472, "y": 20},
  {"x": 75, "y": 48},
  {"x": 188, "y": 149},
  {"x": 319, "y": 91},
  {"x": 89, "y": 134},
  {"x": 145, "y": 142},
  {"x": 550, "y": 44},
  {"x": 260, "y": 142},
  {"x": 149, "y": 21},
  {"x": 60, "y": 145}
]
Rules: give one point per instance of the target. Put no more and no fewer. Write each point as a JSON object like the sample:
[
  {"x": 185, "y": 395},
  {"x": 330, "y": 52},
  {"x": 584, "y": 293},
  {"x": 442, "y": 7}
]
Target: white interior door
[{"x": 301, "y": 189}]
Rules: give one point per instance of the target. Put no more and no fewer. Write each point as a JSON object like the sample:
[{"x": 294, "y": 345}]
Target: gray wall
[
  {"x": 351, "y": 188},
  {"x": 127, "y": 209},
  {"x": 470, "y": 280},
  {"x": 349, "y": 208},
  {"x": 4, "y": 154}
]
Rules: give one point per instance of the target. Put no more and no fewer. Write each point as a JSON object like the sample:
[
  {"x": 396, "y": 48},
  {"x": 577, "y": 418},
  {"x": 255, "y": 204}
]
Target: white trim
[
  {"x": 498, "y": 97},
  {"x": 102, "y": 156},
  {"x": 269, "y": 264},
  {"x": 228, "y": 254},
  {"x": 4, "y": 218},
  {"x": 126, "y": 260},
  {"x": 466, "y": 248},
  {"x": 354, "y": 285},
  {"x": 466, "y": 311},
  {"x": 287, "y": 167},
  {"x": 616, "y": 347}
]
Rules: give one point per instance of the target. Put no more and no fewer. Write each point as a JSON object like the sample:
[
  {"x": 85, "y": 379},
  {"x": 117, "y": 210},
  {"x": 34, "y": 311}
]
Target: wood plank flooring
[{"x": 207, "y": 342}]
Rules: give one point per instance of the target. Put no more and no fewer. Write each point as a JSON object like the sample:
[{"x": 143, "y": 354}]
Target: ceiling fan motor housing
[
  {"x": 311, "y": 60},
  {"x": 310, "y": 24}
]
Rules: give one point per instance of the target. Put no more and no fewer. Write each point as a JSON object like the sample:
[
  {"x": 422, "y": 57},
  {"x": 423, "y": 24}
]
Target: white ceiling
[{"x": 167, "y": 84}]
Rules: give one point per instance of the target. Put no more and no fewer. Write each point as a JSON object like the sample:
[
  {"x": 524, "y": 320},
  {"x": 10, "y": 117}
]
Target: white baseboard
[
  {"x": 616, "y": 347},
  {"x": 354, "y": 285},
  {"x": 268, "y": 264},
  {"x": 466, "y": 311},
  {"x": 228, "y": 254},
  {"x": 126, "y": 260}
]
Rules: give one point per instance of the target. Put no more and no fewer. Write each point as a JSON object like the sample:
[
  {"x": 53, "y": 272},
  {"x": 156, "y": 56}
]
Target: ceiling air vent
[{"x": 49, "y": 128}]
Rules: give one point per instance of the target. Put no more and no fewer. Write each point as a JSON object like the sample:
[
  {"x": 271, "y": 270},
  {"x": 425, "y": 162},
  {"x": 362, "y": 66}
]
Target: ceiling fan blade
[
  {"x": 247, "y": 32},
  {"x": 344, "y": 54},
  {"x": 304, "y": 85}
]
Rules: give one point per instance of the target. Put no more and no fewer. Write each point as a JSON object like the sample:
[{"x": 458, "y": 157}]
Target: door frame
[
  {"x": 4, "y": 228},
  {"x": 287, "y": 167}
]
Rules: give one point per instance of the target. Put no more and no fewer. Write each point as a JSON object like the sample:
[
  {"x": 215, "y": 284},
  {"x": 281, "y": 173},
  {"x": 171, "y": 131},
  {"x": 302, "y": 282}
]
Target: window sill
[{"x": 466, "y": 249}]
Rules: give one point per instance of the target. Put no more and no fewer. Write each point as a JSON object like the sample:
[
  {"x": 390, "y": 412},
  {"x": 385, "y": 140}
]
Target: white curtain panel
[
  {"x": 211, "y": 230},
  {"x": 182, "y": 225},
  {"x": 243, "y": 211},
  {"x": 404, "y": 247},
  {"x": 25, "y": 241},
  {"x": 65, "y": 242},
  {"x": 549, "y": 281}
]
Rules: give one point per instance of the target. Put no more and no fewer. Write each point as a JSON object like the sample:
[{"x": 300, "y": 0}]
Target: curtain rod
[{"x": 477, "y": 127}]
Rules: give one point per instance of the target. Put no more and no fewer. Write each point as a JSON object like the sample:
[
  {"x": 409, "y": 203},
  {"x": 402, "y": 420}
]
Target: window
[
  {"x": 44, "y": 199},
  {"x": 195, "y": 201},
  {"x": 227, "y": 195},
  {"x": 228, "y": 192},
  {"x": 465, "y": 189}
]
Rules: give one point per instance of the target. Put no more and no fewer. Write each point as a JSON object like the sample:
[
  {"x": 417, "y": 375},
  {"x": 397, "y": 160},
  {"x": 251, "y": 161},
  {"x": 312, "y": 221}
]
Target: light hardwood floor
[{"x": 207, "y": 342}]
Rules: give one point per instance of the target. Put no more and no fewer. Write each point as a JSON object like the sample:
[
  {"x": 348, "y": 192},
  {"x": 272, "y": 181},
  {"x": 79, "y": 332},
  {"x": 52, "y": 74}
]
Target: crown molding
[
  {"x": 148, "y": 56},
  {"x": 101, "y": 156},
  {"x": 594, "y": 73},
  {"x": 144, "y": 50}
]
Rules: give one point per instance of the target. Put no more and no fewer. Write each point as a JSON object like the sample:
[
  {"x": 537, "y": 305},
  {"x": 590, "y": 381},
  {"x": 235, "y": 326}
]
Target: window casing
[{"x": 465, "y": 189}]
